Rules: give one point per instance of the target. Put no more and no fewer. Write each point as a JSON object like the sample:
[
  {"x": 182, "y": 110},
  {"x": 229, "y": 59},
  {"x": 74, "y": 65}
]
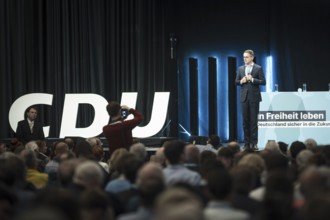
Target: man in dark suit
[
  {"x": 29, "y": 129},
  {"x": 249, "y": 77}
]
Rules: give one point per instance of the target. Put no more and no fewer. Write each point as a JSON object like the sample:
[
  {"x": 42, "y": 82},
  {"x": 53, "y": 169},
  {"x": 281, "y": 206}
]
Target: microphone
[{"x": 248, "y": 74}]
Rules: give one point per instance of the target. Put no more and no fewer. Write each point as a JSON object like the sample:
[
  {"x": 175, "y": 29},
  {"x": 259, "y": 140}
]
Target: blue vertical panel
[
  {"x": 223, "y": 100},
  {"x": 222, "y": 94},
  {"x": 183, "y": 100},
  {"x": 194, "y": 83},
  {"x": 271, "y": 78},
  {"x": 213, "y": 95},
  {"x": 203, "y": 113}
]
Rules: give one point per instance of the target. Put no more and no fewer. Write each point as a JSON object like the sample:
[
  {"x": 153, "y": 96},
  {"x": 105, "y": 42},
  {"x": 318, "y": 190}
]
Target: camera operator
[{"x": 119, "y": 132}]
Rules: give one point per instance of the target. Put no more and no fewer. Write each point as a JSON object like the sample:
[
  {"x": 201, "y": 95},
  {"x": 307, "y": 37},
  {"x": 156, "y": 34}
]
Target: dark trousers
[{"x": 250, "y": 112}]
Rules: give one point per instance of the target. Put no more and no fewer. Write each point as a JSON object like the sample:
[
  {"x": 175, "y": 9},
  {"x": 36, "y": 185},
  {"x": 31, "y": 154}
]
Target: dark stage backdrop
[
  {"x": 82, "y": 46},
  {"x": 112, "y": 46}
]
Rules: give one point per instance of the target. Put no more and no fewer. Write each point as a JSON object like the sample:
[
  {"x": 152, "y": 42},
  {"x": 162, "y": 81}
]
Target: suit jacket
[
  {"x": 251, "y": 91},
  {"x": 24, "y": 134}
]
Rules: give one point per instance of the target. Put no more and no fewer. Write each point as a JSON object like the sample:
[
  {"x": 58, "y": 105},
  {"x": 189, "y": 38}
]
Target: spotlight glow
[{"x": 270, "y": 81}]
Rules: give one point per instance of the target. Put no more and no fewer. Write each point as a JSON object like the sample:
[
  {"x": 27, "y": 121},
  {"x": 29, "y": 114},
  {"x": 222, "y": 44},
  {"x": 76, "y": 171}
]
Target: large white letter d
[{"x": 70, "y": 111}]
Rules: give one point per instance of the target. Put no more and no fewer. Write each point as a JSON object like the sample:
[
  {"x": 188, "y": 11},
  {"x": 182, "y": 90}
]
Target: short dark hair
[
  {"x": 29, "y": 158},
  {"x": 31, "y": 107},
  {"x": 296, "y": 147},
  {"x": 249, "y": 51},
  {"x": 283, "y": 147},
  {"x": 225, "y": 152},
  {"x": 214, "y": 140},
  {"x": 113, "y": 108},
  {"x": 219, "y": 183},
  {"x": 129, "y": 164},
  {"x": 173, "y": 150}
]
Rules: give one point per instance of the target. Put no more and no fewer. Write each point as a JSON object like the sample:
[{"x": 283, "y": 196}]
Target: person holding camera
[{"x": 119, "y": 131}]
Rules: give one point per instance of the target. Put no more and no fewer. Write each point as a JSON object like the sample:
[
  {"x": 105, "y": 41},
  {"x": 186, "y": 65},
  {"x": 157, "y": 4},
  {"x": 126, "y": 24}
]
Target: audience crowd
[{"x": 65, "y": 180}]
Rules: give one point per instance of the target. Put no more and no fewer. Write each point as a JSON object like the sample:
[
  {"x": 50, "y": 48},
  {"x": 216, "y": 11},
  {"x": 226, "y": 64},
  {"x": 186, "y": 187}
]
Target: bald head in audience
[
  {"x": 234, "y": 146},
  {"x": 311, "y": 144},
  {"x": 150, "y": 170},
  {"x": 151, "y": 183}
]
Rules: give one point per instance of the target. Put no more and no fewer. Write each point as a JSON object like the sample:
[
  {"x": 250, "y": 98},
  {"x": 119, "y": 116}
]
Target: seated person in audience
[
  {"x": 191, "y": 157},
  {"x": 317, "y": 209},
  {"x": 66, "y": 171},
  {"x": 16, "y": 146},
  {"x": 159, "y": 156},
  {"x": 311, "y": 144},
  {"x": 206, "y": 156},
  {"x": 13, "y": 175},
  {"x": 215, "y": 141},
  {"x": 294, "y": 150},
  {"x": 226, "y": 156},
  {"x": 124, "y": 187},
  {"x": 97, "y": 150},
  {"x": 234, "y": 146},
  {"x": 113, "y": 162},
  {"x": 175, "y": 171},
  {"x": 3, "y": 147},
  {"x": 139, "y": 150},
  {"x": 178, "y": 203},
  {"x": 272, "y": 146},
  {"x": 213, "y": 144},
  {"x": 39, "y": 152},
  {"x": 84, "y": 150},
  {"x": 270, "y": 162},
  {"x": 303, "y": 159},
  {"x": 88, "y": 175},
  {"x": 314, "y": 183},
  {"x": 278, "y": 197},
  {"x": 283, "y": 147},
  {"x": 128, "y": 166},
  {"x": 38, "y": 179},
  {"x": 257, "y": 164},
  {"x": 243, "y": 182},
  {"x": 70, "y": 142},
  {"x": 150, "y": 183},
  {"x": 219, "y": 185},
  {"x": 96, "y": 205},
  {"x": 52, "y": 166}
]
